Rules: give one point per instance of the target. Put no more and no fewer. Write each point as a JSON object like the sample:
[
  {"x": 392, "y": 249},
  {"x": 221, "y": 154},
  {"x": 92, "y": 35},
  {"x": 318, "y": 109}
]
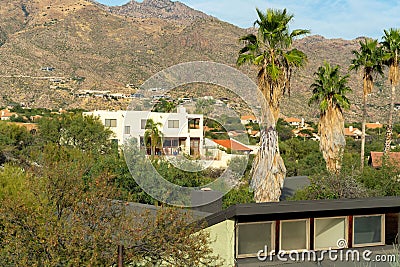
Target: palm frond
[{"x": 329, "y": 88}]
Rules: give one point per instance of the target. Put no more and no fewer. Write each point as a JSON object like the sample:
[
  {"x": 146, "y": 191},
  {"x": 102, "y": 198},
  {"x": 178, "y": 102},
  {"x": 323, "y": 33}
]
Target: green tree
[
  {"x": 153, "y": 135},
  {"x": 383, "y": 181},
  {"x": 391, "y": 49},
  {"x": 14, "y": 141},
  {"x": 333, "y": 187},
  {"x": 369, "y": 58},
  {"x": 329, "y": 91},
  {"x": 271, "y": 50},
  {"x": 284, "y": 130},
  {"x": 165, "y": 106},
  {"x": 167, "y": 236},
  {"x": 75, "y": 130},
  {"x": 62, "y": 214},
  {"x": 302, "y": 157}
]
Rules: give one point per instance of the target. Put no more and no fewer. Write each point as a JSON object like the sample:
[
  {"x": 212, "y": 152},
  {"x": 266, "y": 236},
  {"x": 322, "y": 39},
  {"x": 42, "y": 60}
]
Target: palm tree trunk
[
  {"x": 269, "y": 169},
  {"x": 364, "y": 121},
  {"x": 389, "y": 129},
  {"x": 332, "y": 139},
  {"x": 268, "y": 172}
]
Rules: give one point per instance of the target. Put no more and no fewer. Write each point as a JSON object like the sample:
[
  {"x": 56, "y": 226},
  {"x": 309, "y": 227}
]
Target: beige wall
[{"x": 223, "y": 241}]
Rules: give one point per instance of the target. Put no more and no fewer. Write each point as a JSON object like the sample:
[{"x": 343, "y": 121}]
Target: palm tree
[
  {"x": 164, "y": 106},
  {"x": 270, "y": 50},
  {"x": 329, "y": 89},
  {"x": 153, "y": 135},
  {"x": 369, "y": 58},
  {"x": 391, "y": 48}
]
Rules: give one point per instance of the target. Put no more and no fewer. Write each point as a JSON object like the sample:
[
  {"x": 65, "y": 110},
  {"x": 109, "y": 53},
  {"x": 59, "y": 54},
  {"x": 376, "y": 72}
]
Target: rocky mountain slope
[
  {"x": 162, "y": 9},
  {"x": 50, "y": 49}
]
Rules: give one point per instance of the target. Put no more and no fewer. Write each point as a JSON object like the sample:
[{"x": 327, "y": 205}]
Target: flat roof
[{"x": 305, "y": 209}]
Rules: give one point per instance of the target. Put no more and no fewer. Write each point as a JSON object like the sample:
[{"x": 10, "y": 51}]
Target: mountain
[
  {"x": 162, "y": 9},
  {"x": 51, "y": 49}
]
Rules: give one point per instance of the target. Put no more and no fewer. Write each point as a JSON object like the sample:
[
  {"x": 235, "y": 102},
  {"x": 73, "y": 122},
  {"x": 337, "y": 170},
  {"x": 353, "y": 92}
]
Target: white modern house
[{"x": 181, "y": 132}]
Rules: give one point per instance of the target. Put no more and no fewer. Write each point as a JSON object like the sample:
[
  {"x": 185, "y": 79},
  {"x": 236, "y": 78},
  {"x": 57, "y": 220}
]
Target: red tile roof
[
  {"x": 289, "y": 120},
  {"x": 248, "y": 117},
  {"x": 232, "y": 144},
  {"x": 373, "y": 125},
  {"x": 375, "y": 159},
  {"x": 347, "y": 131},
  {"x": 6, "y": 113}
]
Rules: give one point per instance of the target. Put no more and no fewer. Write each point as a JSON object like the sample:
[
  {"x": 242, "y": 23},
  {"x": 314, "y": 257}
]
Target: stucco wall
[{"x": 223, "y": 241}]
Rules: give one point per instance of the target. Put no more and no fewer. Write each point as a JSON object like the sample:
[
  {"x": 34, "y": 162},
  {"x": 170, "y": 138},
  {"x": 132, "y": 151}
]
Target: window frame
[
  {"x": 127, "y": 127},
  {"x": 382, "y": 231},
  {"x": 110, "y": 122},
  {"x": 173, "y": 124},
  {"x": 308, "y": 233},
  {"x": 346, "y": 230},
  {"x": 273, "y": 238},
  {"x": 143, "y": 126}
]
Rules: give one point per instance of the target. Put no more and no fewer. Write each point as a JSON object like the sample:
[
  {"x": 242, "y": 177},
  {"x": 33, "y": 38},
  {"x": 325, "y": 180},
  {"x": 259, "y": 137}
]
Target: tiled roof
[
  {"x": 354, "y": 132},
  {"x": 6, "y": 113},
  {"x": 248, "y": 117},
  {"x": 289, "y": 120},
  {"x": 373, "y": 125},
  {"x": 232, "y": 144},
  {"x": 376, "y": 159}
]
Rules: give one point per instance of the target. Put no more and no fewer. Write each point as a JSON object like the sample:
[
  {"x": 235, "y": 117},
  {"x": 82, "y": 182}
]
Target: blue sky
[{"x": 347, "y": 19}]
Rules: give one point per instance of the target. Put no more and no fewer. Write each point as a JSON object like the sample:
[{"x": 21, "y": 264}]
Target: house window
[
  {"x": 127, "y": 130},
  {"x": 143, "y": 124},
  {"x": 110, "y": 123},
  {"x": 368, "y": 230},
  {"x": 327, "y": 232},
  {"x": 194, "y": 123},
  {"x": 170, "y": 142},
  {"x": 294, "y": 235},
  {"x": 173, "y": 123},
  {"x": 141, "y": 141},
  {"x": 253, "y": 237}
]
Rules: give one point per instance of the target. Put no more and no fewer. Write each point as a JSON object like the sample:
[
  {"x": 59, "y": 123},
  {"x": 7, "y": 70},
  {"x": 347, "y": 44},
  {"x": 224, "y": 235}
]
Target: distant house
[
  {"x": 375, "y": 125},
  {"x": 234, "y": 145},
  {"x": 5, "y": 114},
  {"x": 236, "y": 133},
  {"x": 375, "y": 159},
  {"x": 94, "y": 93},
  {"x": 295, "y": 122},
  {"x": 35, "y": 118},
  {"x": 182, "y": 132},
  {"x": 48, "y": 68},
  {"x": 305, "y": 132},
  {"x": 137, "y": 95},
  {"x": 352, "y": 132},
  {"x": 253, "y": 133},
  {"x": 117, "y": 96},
  {"x": 248, "y": 119},
  {"x": 30, "y": 127}
]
